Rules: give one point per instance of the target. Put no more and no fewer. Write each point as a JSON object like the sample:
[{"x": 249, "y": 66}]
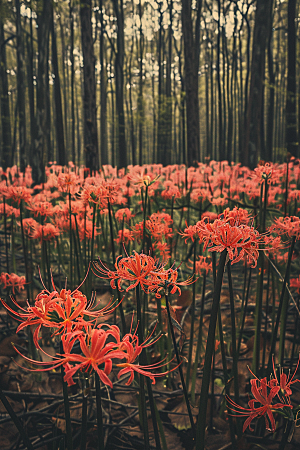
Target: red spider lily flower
[
  {"x": 9, "y": 210},
  {"x": 46, "y": 232},
  {"x": 63, "y": 311},
  {"x": 203, "y": 264},
  {"x": 166, "y": 279},
  {"x": 44, "y": 209},
  {"x": 12, "y": 280},
  {"x": 132, "y": 349},
  {"x": 190, "y": 232},
  {"x": 285, "y": 381},
  {"x": 124, "y": 214},
  {"x": 241, "y": 242},
  {"x": 29, "y": 226},
  {"x": 137, "y": 269},
  {"x": 96, "y": 347},
  {"x": 18, "y": 193},
  {"x": 263, "y": 171},
  {"x": 287, "y": 225},
  {"x": 68, "y": 182},
  {"x": 295, "y": 283},
  {"x": 124, "y": 236},
  {"x": 96, "y": 351},
  {"x": 163, "y": 250},
  {"x": 259, "y": 390}
]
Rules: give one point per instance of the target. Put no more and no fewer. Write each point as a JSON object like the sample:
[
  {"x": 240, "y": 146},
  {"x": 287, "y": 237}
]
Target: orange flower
[
  {"x": 287, "y": 225},
  {"x": 12, "y": 280},
  {"x": 46, "y": 232},
  {"x": 136, "y": 269},
  {"x": 63, "y": 311}
]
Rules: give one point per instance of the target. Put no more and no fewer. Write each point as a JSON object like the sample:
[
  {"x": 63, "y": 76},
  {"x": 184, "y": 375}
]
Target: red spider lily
[
  {"x": 18, "y": 193},
  {"x": 295, "y": 283},
  {"x": 46, "y": 232},
  {"x": 202, "y": 265},
  {"x": 166, "y": 279},
  {"x": 241, "y": 242},
  {"x": 259, "y": 390},
  {"x": 124, "y": 214},
  {"x": 285, "y": 381},
  {"x": 96, "y": 351},
  {"x": 44, "y": 209},
  {"x": 30, "y": 226},
  {"x": 12, "y": 280},
  {"x": 287, "y": 225},
  {"x": 68, "y": 182},
  {"x": 62, "y": 311},
  {"x": 137, "y": 269},
  {"x": 132, "y": 349},
  {"x": 190, "y": 232},
  {"x": 124, "y": 236}
]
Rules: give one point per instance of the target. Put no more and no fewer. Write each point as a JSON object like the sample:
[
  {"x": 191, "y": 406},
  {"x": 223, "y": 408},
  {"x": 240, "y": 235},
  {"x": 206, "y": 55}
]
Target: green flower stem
[
  {"x": 99, "y": 414},
  {"x": 71, "y": 244},
  {"x": 226, "y": 377},
  {"x": 199, "y": 341},
  {"x": 243, "y": 312},
  {"x": 25, "y": 253},
  {"x": 193, "y": 306},
  {"x": 5, "y": 235},
  {"x": 281, "y": 304},
  {"x": 143, "y": 361},
  {"x": 144, "y": 202},
  {"x": 285, "y": 305},
  {"x": 233, "y": 337},
  {"x": 16, "y": 420},
  {"x": 200, "y": 437},
  {"x": 69, "y": 439},
  {"x": 286, "y": 434},
  {"x": 179, "y": 366},
  {"x": 13, "y": 253},
  {"x": 122, "y": 316},
  {"x": 84, "y": 415}
]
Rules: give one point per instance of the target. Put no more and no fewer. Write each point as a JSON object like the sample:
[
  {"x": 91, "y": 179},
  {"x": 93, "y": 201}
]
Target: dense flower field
[{"x": 202, "y": 266}]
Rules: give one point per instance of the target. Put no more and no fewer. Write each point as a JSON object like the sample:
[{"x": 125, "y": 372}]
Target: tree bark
[
  {"x": 291, "y": 133},
  {"x": 40, "y": 155},
  {"x": 191, "y": 66},
  {"x": 262, "y": 28},
  {"x": 89, "y": 97}
]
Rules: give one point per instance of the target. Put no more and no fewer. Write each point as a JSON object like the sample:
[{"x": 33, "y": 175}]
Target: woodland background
[{"x": 116, "y": 82}]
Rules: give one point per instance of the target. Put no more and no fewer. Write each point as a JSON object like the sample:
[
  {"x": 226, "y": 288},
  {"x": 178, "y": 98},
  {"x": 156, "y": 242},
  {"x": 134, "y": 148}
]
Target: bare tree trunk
[
  {"x": 40, "y": 154},
  {"x": 291, "y": 134},
  {"x": 262, "y": 28},
  {"x": 21, "y": 90},
  {"x": 60, "y": 138},
  {"x": 6, "y": 153},
  {"x": 103, "y": 94},
  {"x": 89, "y": 97},
  {"x": 191, "y": 65},
  {"x": 119, "y": 78}
]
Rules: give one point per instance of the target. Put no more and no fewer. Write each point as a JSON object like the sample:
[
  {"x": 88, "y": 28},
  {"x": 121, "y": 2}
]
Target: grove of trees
[{"x": 148, "y": 81}]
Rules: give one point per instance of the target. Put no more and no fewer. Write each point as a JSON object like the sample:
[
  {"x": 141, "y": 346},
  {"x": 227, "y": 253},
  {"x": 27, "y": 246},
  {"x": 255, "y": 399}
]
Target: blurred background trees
[{"x": 136, "y": 81}]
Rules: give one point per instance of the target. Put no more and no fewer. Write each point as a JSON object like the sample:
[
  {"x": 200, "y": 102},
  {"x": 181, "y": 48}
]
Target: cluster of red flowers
[
  {"x": 11, "y": 280},
  {"x": 144, "y": 271},
  {"x": 265, "y": 393},
  {"x": 233, "y": 231},
  {"x": 74, "y": 318}
]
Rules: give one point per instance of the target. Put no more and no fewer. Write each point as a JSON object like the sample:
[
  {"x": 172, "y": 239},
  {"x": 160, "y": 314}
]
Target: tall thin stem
[{"x": 210, "y": 345}]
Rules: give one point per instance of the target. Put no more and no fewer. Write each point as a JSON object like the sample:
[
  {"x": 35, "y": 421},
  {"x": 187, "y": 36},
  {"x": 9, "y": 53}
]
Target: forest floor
[{"x": 37, "y": 399}]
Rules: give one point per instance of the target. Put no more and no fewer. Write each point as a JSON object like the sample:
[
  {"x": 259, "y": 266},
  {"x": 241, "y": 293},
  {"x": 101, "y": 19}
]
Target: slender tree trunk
[
  {"x": 40, "y": 154},
  {"x": 60, "y": 138},
  {"x": 291, "y": 134},
  {"x": 6, "y": 153},
  {"x": 262, "y": 28},
  {"x": 191, "y": 65},
  {"x": 21, "y": 90},
  {"x": 119, "y": 79},
  {"x": 89, "y": 97},
  {"x": 71, "y": 15},
  {"x": 103, "y": 94}
]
